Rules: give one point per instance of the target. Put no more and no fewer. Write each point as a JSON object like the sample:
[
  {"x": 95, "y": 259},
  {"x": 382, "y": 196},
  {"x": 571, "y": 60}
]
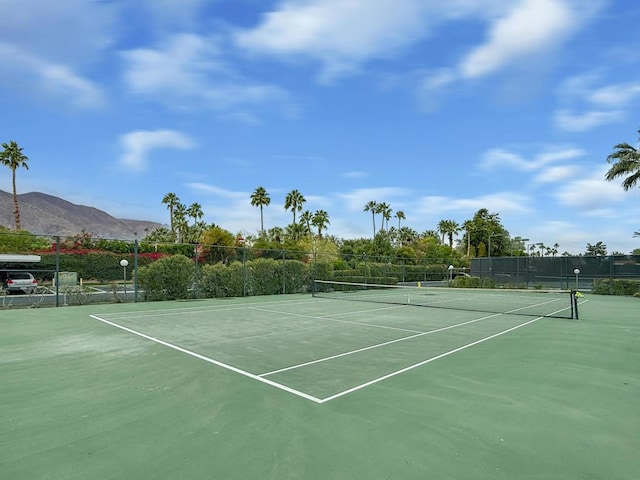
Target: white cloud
[
  {"x": 591, "y": 194},
  {"x": 72, "y": 32},
  {"x": 519, "y": 34},
  {"x": 599, "y": 104},
  {"x": 499, "y": 158},
  {"x": 138, "y": 145},
  {"x": 565, "y": 120},
  {"x": 355, "y": 200},
  {"x": 503, "y": 202},
  {"x": 530, "y": 27},
  {"x": 557, "y": 174},
  {"x": 189, "y": 70},
  {"x": 57, "y": 81},
  {"x": 617, "y": 95},
  {"x": 339, "y": 33}
]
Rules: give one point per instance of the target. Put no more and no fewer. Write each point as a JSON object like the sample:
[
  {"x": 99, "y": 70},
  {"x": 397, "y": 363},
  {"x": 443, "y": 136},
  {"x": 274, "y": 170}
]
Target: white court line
[
  {"x": 205, "y": 309},
  {"x": 314, "y": 317},
  {"x": 421, "y": 334},
  {"x": 261, "y": 378},
  {"x": 424, "y": 362},
  {"x": 211, "y": 360}
]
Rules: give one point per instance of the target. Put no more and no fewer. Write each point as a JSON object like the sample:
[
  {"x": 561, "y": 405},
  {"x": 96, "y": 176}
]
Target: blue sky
[{"x": 437, "y": 108}]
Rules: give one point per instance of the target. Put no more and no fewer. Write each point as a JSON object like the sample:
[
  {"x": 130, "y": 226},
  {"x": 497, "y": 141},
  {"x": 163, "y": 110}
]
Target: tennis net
[{"x": 537, "y": 303}]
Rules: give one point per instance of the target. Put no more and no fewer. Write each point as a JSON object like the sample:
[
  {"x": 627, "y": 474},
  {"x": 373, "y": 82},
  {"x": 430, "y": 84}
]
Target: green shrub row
[
  {"x": 616, "y": 287},
  {"x": 173, "y": 278},
  {"x": 472, "y": 282},
  {"x": 99, "y": 266}
]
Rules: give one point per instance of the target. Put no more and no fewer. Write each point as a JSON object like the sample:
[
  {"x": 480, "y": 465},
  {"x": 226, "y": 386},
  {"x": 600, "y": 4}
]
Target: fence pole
[
  {"x": 284, "y": 282},
  {"x": 135, "y": 271},
  {"x": 57, "y": 274}
]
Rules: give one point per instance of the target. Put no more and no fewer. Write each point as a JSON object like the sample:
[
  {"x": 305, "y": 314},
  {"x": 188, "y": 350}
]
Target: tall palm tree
[
  {"x": 384, "y": 209},
  {"x": 180, "y": 221},
  {"x": 260, "y": 198},
  {"x": 448, "y": 228},
  {"x": 372, "y": 207},
  {"x": 320, "y": 220},
  {"x": 468, "y": 226},
  {"x": 195, "y": 212},
  {"x": 626, "y": 161},
  {"x": 294, "y": 201},
  {"x": 13, "y": 158},
  {"x": 172, "y": 201},
  {"x": 400, "y": 216}
]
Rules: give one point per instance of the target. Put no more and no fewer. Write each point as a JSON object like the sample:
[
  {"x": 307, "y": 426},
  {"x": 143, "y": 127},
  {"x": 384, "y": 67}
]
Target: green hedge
[
  {"x": 616, "y": 287},
  {"x": 170, "y": 278},
  {"x": 100, "y": 266},
  {"x": 261, "y": 276},
  {"x": 472, "y": 282}
]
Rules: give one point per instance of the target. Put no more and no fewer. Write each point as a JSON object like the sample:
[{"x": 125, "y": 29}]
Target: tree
[
  {"x": 400, "y": 216},
  {"x": 372, "y": 207},
  {"x": 486, "y": 228},
  {"x": 448, "y": 228},
  {"x": 599, "y": 249},
  {"x": 172, "y": 201},
  {"x": 306, "y": 218},
  {"x": 294, "y": 201},
  {"x": 625, "y": 161},
  {"x": 320, "y": 220},
  {"x": 13, "y": 158},
  {"x": 180, "y": 221},
  {"x": 260, "y": 198},
  {"x": 384, "y": 209},
  {"x": 195, "y": 212},
  {"x": 295, "y": 231}
]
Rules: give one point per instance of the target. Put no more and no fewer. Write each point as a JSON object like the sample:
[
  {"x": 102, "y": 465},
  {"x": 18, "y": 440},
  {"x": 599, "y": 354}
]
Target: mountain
[{"x": 44, "y": 214}]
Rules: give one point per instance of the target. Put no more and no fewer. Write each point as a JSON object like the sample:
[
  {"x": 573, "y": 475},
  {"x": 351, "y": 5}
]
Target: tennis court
[{"x": 308, "y": 387}]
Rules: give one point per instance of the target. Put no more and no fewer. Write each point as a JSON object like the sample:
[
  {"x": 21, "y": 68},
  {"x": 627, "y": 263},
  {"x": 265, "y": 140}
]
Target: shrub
[
  {"x": 169, "y": 278},
  {"x": 616, "y": 287},
  {"x": 472, "y": 282}
]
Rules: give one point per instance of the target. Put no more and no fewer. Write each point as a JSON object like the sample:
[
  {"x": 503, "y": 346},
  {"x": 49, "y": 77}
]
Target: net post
[{"x": 574, "y": 304}]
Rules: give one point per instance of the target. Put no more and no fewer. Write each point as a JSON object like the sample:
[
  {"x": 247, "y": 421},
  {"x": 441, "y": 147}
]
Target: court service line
[
  {"x": 211, "y": 360},
  {"x": 370, "y": 347},
  {"x": 315, "y": 317},
  {"x": 424, "y": 362}
]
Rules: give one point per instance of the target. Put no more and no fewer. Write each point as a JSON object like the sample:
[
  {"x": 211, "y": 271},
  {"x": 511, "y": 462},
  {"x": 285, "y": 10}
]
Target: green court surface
[{"x": 295, "y": 387}]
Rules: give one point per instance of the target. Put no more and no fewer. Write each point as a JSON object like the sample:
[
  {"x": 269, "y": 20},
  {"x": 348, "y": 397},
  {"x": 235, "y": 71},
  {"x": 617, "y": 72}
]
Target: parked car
[{"x": 16, "y": 282}]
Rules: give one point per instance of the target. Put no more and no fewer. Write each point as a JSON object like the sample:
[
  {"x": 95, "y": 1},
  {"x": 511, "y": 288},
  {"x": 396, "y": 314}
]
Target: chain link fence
[{"x": 601, "y": 274}]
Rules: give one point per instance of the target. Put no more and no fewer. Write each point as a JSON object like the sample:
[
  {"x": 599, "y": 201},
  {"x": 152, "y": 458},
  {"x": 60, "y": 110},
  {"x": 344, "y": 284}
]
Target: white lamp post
[
  {"x": 123, "y": 264},
  {"x": 450, "y": 273},
  {"x": 576, "y": 272}
]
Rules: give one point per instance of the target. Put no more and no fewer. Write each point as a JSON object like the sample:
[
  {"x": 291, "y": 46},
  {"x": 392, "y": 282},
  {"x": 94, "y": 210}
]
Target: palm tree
[
  {"x": 295, "y": 231},
  {"x": 599, "y": 249},
  {"x": 172, "y": 201},
  {"x": 372, "y": 207},
  {"x": 294, "y": 201},
  {"x": 13, "y": 158},
  {"x": 468, "y": 226},
  {"x": 400, "y": 216},
  {"x": 448, "y": 228},
  {"x": 320, "y": 220},
  {"x": 626, "y": 161},
  {"x": 384, "y": 209},
  {"x": 307, "y": 218},
  {"x": 195, "y": 212},
  {"x": 180, "y": 221},
  {"x": 260, "y": 198}
]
